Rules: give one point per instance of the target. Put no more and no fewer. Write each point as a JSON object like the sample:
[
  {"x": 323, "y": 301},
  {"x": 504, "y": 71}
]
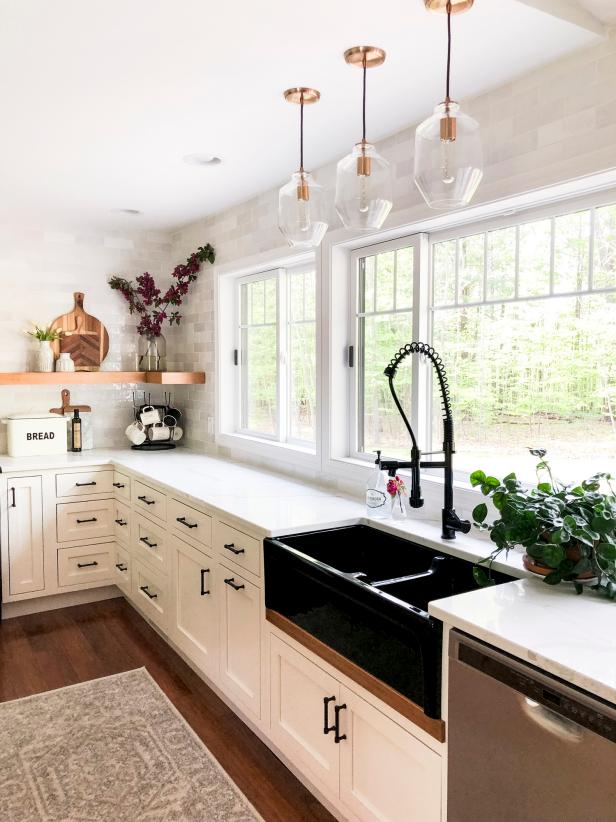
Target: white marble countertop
[{"x": 571, "y": 636}]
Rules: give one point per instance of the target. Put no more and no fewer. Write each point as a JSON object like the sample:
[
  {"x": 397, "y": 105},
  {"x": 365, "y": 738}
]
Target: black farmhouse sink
[{"x": 365, "y": 593}]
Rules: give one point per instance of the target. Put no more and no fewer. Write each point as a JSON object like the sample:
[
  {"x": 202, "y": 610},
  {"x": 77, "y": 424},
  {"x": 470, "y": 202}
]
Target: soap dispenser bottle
[
  {"x": 376, "y": 492},
  {"x": 76, "y": 432}
]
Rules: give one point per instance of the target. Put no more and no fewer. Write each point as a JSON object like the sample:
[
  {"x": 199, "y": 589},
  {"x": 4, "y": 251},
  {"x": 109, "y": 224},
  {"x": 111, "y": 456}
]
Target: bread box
[{"x": 35, "y": 434}]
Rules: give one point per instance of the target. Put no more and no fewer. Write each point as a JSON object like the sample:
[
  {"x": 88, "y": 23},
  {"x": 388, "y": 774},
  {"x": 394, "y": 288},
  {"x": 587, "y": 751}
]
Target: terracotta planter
[{"x": 573, "y": 553}]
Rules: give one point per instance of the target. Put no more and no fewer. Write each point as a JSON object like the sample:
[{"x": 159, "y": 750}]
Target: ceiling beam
[{"x": 570, "y": 11}]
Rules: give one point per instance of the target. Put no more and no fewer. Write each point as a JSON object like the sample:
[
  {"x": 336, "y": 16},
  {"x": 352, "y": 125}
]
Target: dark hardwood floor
[{"x": 40, "y": 652}]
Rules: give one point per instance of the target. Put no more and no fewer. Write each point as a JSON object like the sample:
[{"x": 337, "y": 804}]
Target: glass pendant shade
[
  {"x": 301, "y": 211},
  {"x": 448, "y": 157},
  {"x": 364, "y": 188}
]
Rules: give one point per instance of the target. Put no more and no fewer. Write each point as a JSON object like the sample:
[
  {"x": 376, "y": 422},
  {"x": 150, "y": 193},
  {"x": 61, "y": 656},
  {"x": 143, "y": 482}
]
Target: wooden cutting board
[{"x": 83, "y": 337}]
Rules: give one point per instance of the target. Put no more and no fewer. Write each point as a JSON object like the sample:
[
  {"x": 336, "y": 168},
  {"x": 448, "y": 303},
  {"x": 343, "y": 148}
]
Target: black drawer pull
[
  {"x": 147, "y": 542},
  {"x": 147, "y": 501},
  {"x": 144, "y": 588},
  {"x": 119, "y": 485},
  {"x": 327, "y": 728},
  {"x": 187, "y": 524},
  {"x": 233, "y": 584},
  {"x": 338, "y": 737},
  {"x": 81, "y": 521},
  {"x": 204, "y": 571},
  {"x": 121, "y": 567},
  {"x": 86, "y": 564},
  {"x": 231, "y": 547},
  {"x": 13, "y": 503},
  {"x": 84, "y": 484},
  {"x": 121, "y": 522}
]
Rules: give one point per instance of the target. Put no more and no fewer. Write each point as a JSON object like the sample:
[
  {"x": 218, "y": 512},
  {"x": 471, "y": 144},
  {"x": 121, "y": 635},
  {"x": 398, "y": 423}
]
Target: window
[
  {"x": 383, "y": 321},
  {"x": 524, "y": 318},
  {"x": 277, "y": 355}
]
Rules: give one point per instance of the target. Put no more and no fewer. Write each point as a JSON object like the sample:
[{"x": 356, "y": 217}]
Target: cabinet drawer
[
  {"x": 84, "y": 520},
  {"x": 190, "y": 523},
  {"x": 238, "y": 547},
  {"x": 150, "y": 543},
  {"x": 121, "y": 521},
  {"x": 84, "y": 483},
  {"x": 121, "y": 486},
  {"x": 240, "y": 652},
  {"x": 92, "y": 563},
  {"x": 150, "y": 592},
  {"x": 153, "y": 502},
  {"x": 122, "y": 569}
]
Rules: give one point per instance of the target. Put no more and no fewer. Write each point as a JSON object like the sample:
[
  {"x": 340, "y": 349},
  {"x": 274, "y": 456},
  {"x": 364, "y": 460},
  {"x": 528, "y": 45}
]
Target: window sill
[{"x": 283, "y": 451}]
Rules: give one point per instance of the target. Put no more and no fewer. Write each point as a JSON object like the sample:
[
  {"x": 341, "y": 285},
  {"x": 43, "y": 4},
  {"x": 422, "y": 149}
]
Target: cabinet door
[
  {"x": 303, "y": 697},
  {"x": 195, "y": 625},
  {"x": 25, "y": 535},
  {"x": 240, "y": 647},
  {"x": 385, "y": 772}
]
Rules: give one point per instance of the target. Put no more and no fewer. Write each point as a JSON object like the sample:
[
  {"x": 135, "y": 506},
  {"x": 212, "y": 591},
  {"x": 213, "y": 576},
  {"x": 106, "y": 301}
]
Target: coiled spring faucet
[{"x": 451, "y": 521}]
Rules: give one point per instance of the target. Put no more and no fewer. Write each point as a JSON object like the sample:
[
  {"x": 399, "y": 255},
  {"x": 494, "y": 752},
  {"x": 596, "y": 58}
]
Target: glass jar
[{"x": 152, "y": 353}]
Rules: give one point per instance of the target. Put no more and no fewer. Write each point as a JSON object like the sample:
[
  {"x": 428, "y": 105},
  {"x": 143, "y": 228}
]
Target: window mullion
[
  {"x": 284, "y": 359},
  {"x": 421, "y": 392}
]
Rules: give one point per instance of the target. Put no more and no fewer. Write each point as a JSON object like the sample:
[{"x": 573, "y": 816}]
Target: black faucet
[{"x": 451, "y": 521}]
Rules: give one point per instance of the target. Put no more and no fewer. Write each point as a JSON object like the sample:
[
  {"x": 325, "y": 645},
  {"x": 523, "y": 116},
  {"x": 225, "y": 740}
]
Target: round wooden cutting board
[{"x": 83, "y": 337}]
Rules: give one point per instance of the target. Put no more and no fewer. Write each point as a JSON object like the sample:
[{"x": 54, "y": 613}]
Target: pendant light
[
  {"x": 448, "y": 151},
  {"x": 301, "y": 206},
  {"x": 363, "y": 181}
]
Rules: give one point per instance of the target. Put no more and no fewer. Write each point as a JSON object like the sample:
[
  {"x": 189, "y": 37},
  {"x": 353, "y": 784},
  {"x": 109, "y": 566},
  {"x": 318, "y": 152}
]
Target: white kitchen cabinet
[
  {"x": 25, "y": 535},
  {"x": 385, "y": 772},
  {"x": 85, "y": 565},
  {"x": 121, "y": 522},
  {"x": 85, "y": 520},
  {"x": 150, "y": 543},
  {"x": 122, "y": 569},
  {"x": 302, "y": 702},
  {"x": 150, "y": 593},
  {"x": 121, "y": 486},
  {"x": 195, "y": 621},
  {"x": 240, "y": 639}
]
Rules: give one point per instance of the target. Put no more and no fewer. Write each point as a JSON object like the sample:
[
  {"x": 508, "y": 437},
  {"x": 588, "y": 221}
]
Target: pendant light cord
[
  {"x": 447, "y": 98},
  {"x": 301, "y": 132},
  {"x": 364, "y": 104}
]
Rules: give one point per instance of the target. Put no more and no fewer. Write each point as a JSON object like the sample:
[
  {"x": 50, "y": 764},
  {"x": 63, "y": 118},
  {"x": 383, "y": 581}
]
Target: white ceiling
[
  {"x": 604, "y": 10},
  {"x": 101, "y": 99}
]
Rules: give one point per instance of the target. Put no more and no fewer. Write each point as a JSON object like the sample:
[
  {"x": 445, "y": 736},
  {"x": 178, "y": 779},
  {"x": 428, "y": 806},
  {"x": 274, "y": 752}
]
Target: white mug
[
  {"x": 149, "y": 415},
  {"x": 177, "y": 433},
  {"x": 136, "y": 433},
  {"x": 158, "y": 432}
]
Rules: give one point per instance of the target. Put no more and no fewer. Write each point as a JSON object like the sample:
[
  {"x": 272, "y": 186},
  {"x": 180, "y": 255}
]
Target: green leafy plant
[
  {"x": 45, "y": 333},
  {"x": 567, "y": 531}
]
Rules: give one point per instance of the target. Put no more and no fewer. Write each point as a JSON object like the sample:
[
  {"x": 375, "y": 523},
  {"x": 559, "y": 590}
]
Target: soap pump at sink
[{"x": 451, "y": 521}]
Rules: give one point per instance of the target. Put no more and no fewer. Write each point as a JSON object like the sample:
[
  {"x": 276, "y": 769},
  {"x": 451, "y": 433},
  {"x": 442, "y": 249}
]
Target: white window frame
[
  {"x": 333, "y": 456},
  {"x": 419, "y": 316},
  {"x": 228, "y": 431},
  {"x": 340, "y": 257}
]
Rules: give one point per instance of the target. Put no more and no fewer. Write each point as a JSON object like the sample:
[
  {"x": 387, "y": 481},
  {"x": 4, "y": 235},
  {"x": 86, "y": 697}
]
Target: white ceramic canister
[{"x": 65, "y": 363}]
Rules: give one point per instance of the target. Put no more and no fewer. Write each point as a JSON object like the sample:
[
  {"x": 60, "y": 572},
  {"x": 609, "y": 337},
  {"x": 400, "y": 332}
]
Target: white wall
[
  {"x": 40, "y": 269},
  {"x": 552, "y": 125}
]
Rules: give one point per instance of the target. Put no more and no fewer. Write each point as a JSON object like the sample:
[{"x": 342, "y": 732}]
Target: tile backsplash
[{"x": 40, "y": 269}]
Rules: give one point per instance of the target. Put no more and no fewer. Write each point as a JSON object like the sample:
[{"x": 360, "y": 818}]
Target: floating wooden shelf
[{"x": 102, "y": 377}]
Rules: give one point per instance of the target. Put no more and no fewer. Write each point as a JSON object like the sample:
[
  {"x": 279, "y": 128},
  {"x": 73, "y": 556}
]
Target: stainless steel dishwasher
[{"x": 525, "y": 746}]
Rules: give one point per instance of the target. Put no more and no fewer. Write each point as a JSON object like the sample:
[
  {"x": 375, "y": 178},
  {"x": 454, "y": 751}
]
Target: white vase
[
  {"x": 65, "y": 363},
  {"x": 45, "y": 356}
]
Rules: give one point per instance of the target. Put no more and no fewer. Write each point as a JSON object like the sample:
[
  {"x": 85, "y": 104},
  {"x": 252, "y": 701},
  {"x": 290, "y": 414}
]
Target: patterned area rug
[{"x": 110, "y": 749}]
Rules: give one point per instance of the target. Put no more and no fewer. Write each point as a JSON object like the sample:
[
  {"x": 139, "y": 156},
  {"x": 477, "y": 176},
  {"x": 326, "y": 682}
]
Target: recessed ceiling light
[
  {"x": 132, "y": 212},
  {"x": 200, "y": 159}
]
